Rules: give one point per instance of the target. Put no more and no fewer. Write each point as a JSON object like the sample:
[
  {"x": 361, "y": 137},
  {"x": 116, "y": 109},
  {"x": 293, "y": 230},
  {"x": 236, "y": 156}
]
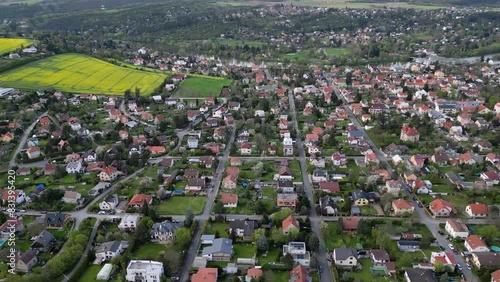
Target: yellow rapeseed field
[
  {"x": 80, "y": 74},
  {"x": 10, "y": 44}
]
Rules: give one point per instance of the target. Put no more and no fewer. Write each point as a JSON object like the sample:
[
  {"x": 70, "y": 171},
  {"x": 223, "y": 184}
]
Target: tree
[
  {"x": 262, "y": 243},
  {"x": 405, "y": 260},
  {"x": 142, "y": 232},
  {"x": 278, "y": 237},
  {"x": 488, "y": 232},
  {"x": 444, "y": 278},
  {"x": 313, "y": 242},
  {"x": 314, "y": 262},
  {"x": 218, "y": 207},
  {"x": 288, "y": 260},
  {"x": 438, "y": 266},
  {"x": 171, "y": 260},
  {"x": 188, "y": 221},
  {"x": 182, "y": 237},
  {"x": 278, "y": 217}
]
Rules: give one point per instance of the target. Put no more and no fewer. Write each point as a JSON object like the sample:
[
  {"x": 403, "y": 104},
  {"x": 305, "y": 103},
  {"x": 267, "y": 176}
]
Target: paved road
[
  {"x": 431, "y": 223},
  {"x": 202, "y": 219},
  {"x": 323, "y": 264},
  {"x": 23, "y": 140}
]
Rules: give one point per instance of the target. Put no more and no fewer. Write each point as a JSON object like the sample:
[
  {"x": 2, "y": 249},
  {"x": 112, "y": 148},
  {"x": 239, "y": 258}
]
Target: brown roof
[
  {"x": 205, "y": 275},
  {"x": 478, "y": 208},
  {"x": 290, "y": 220},
  {"x": 350, "y": 223},
  {"x": 229, "y": 198},
  {"x": 474, "y": 241},
  {"x": 457, "y": 226},
  {"x": 232, "y": 170},
  {"x": 401, "y": 204}
]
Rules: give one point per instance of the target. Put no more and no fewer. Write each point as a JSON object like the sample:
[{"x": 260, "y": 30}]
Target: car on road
[
  {"x": 468, "y": 266},
  {"x": 441, "y": 247},
  {"x": 451, "y": 247},
  {"x": 440, "y": 232},
  {"x": 101, "y": 213},
  {"x": 459, "y": 267}
]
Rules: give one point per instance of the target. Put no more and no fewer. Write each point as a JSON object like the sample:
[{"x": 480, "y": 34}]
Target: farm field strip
[
  {"x": 11, "y": 44},
  {"x": 80, "y": 74}
]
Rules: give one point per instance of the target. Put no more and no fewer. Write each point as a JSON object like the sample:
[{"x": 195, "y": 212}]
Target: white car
[
  {"x": 101, "y": 213},
  {"x": 451, "y": 246}
]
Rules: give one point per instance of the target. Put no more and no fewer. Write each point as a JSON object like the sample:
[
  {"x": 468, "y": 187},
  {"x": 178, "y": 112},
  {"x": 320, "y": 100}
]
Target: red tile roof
[{"x": 290, "y": 220}]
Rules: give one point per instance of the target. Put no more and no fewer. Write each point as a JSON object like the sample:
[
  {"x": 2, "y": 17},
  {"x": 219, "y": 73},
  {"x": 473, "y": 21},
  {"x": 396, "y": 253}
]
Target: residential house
[
  {"x": 164, "y": 231},
  {"x": 289, "y": 224},
  {"x": 300, "y": 274},
  {"x": 379, "y": 256},
  {"x": 243, "y": 228},
  {"x": 230, "y": 181},
  {"x": 229, "y": 200},
  {"x": 409, "y": 134},
  {"x": 71, "y": 197},
  {"x": 360, "y": 198},
  {"x": 43, "y": 241},
  {"x": 339, "y": 159},
  {"x": 205, "y": 275},
  {"x": 418, "y": 161},
  {"x": 408, "y": 246},
  {"x": 195, "y": 184},
  {"x": 491, "y": 177},
  {"x": 286, "y": 187},
  {"x": 371, "y": 158},
  {"x": 350, "y": 224},
  {"x": 319, "y": 175},
  {"x": 345, "y": 257},
  {"x": 329, "y": 186},
  {"x": 441, "y": 208},
  {"x": 26, "y": 261},
  {"x": 246, "y": 149},
  {"x": 445, "y": 258},
  {"x": 456, "y": 229},
  {"x": 476, "y": 210},
  {"x": 220, "y": 250},
  {"x": 253, "y": 274},
  {"x": 327, "y": 205},
  {"x": 495, "y": 276},
  {"x": 192, "y": 142},
  {"x": 191, "y": 173},
  {"x": 139, "y": 200},
  {"x": 419, "y": 275},
  {"x": 144, "y": 271},
  {"x": 286, "y": 200},
  {"x": 75, "y": 167},
  {"x": 11, "y": 226},
  {"x": 56, "y": 220},
  {"x": 401, "y": 207},
  {"x": 129, "y": 222},
  {"x": 33, "y": 152},
  {"x": 475, "y": 244},
  {"x": 108, "y": 174},
  {"x": 467, "y": 158},
  {"x": 110, "y": 203},
  {"x": 298, "y": 251},
  {"x": 393, "y": 187},
  {"x": 17, "y": 196},
  {"x": 490, "y": 259},
  {"x": 109, "y": 250}
]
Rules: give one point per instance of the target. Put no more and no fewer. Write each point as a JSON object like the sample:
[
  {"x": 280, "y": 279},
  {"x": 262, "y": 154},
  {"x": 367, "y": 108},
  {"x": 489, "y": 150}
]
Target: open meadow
[
  {"x": 10, "y": 44},
  {"x": 198, "y": 86},
  {"x": 80, "y": 74}
]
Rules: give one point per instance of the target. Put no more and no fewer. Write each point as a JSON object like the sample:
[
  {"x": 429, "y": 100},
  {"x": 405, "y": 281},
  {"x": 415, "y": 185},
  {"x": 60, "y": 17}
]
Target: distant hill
[{"x": 490, "y": 3}]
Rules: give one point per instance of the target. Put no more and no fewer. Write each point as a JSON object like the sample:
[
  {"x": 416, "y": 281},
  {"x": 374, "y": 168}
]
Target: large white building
[{"x": 144, "y": 271}]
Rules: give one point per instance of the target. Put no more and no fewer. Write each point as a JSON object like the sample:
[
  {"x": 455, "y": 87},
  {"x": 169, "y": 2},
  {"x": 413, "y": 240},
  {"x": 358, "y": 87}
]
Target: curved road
[{"x": 23, "y": 140}]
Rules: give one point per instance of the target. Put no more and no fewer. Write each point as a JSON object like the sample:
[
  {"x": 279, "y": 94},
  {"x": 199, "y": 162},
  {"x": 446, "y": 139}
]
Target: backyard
[{"x": 179, "y": 205}]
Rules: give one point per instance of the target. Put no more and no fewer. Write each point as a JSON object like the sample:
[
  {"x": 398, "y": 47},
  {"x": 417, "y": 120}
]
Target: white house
[
  {"x": 72, "y": 197},
  {"x": 108, "y": 250},
  {"x": 476, "y": 210},
  {"x": 144, "y": 271},
  {"x": 475, "y": 244},
  {"x": 456, "y": 229},
  {"x": 192, "y": 142},
  {"x": 298, "y": 251},
  {"x": 345, "y": 257},
  {"x": 75, "y": 167},
  {"x": 164, "y": 231},
  {"x": 129, "y": 221},
  {"x": 109, "y": 203}
]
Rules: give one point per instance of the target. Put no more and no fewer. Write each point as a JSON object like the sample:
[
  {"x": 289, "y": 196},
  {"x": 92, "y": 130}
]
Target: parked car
[
  {"x": 441, "y": 232},
  {"x": 459, "y": 267},
  {"x": 101, "y": 213},
  {"x": 468, "y": 266},
  {"x": 451, "y": 246}
]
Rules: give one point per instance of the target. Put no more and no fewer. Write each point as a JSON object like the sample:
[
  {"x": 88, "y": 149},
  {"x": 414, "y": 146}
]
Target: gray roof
[
  {"x": 343, "y": 253},
  {"x": 420, "y": 275},
  {"x": 327, "y": 201},
  {"x": 248, "y": 226},
  {"x": 206, "y": 237},
  {"x": 360, "y": 194},
  {"x": 56, "y": 219},
  {"x": 44, "y": 238},
  {"x": 166, "y": 227},
  {"x": 111, "y": 246},
  {"x": 220, "y": 245}
]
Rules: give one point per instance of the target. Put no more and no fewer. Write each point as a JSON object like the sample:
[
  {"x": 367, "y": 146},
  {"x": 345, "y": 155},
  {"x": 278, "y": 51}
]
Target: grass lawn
[
  {"x": 90, "y": 273},
  {"x": 178, "y": 205},
  {"x": 366, "y": 275},
  {"x": 81, "y": 74},
  {"x": 216, "y": 264},
  {"x": 213, "y": 227},
  {"x": 337, "y": 51},
  {"x": 295, "y": 168},
  {"x": 333, "y": 240},
  {"x": 267, "y": 258},
  {"x": 149, "y": 251},
  {"x": 4, "y": 272},
  {"x": 367, "y": 210},
  {"x": 201, "y": 86},
  {"x": 269, "y": 192},
  {"x": 244, "y": 250},
  {"x": 236, "y": 42}
]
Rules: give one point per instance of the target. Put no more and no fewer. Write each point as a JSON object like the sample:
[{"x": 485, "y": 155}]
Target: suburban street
[
  {"x": 202, "y": 219},
  {"x": 323, "y": 264},
  {"x": 23, "y": 140},
  {"x": 431, "y": 223}
]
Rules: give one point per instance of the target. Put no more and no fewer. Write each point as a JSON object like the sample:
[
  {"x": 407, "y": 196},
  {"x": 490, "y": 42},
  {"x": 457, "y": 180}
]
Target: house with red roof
[
  {"x": 446, "y": 258},
  {"x": 467, "y": 158},
  {"x": 229, "y": 200},
  {"x": 495, "y": 275},
  {"x": 139, "y": 200},
  {"x": 329, "y": 186},
  {"x": 350, "y": 224},
  {"x": 371, "y": 159},
  {"x": 409, "y": 134},
  {"x": 441, "y": 208},
  {"x": 205, "y": 275},
  {"x": 33, "y": 152},
  {"x": 476, "y": 210},
  {"x": 290, "y": 223},
  {"x": 232, "y": 170},
  {"x": 156, "y": 150},
  {"x": 246, "y": 149},
  {"x": 230, "y": 181},
  {"x": 475, "y": 244},
  {"x": 299, "y": 274},
  {"x": 401, "y": 206},
  {"x": 253, "y": 274},
  {"x": 109, "y": 173}
]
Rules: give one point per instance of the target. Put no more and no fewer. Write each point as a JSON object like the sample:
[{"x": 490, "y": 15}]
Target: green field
[
  {"x": 236, "y": 42},
  {"x": 201, "y": 86},
  {"x": 180, "y": 204},
  {"x": 90, "y": 273},
  {"x": 337, "y": 51},
  {"x": 80, "y": 74},
  {"x": 11, "y": 44}
]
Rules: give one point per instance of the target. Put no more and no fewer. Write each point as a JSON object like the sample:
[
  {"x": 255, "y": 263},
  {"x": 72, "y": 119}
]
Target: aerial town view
[{"x": 250, "y": 141}]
